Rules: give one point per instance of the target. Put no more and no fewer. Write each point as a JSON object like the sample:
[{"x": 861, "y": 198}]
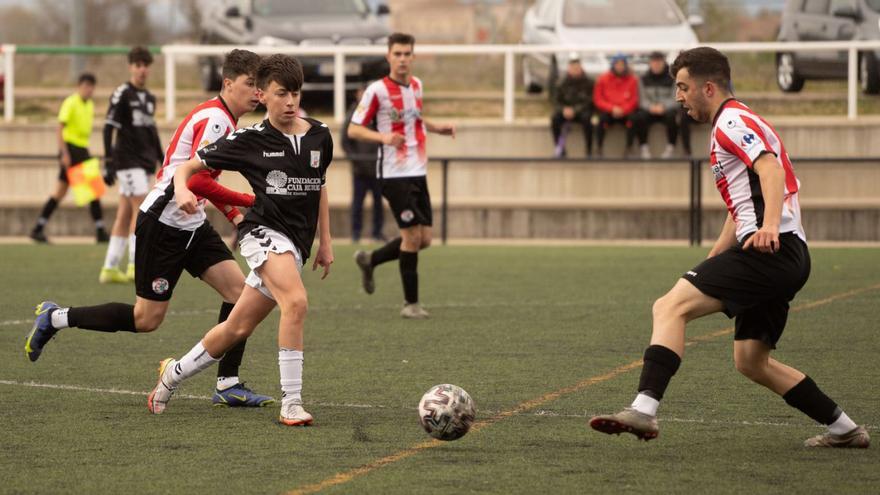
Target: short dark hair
[
  {"x": 86, "y": 77},
  {"x": 704, "y": 63},
  {"x": 283, "y": 69},
  {"x": 238, "y": 62},
  {"x": 401, "y": 39},
  {"x": 140, "y": 54}
]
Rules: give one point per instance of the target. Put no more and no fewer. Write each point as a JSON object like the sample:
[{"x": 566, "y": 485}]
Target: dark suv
[
  {"x": 299, "y": 22},
  {"x": 828, "y": 20}
]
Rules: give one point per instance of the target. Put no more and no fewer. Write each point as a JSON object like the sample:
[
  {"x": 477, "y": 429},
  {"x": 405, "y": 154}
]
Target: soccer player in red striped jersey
[
  {"x": 395, "y": 103},
  {"x": 757, "y": 265},
  {"x": 170, "y": 241}
]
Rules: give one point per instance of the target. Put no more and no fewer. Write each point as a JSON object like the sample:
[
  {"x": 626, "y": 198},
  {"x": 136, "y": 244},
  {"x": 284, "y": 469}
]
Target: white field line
[
  {"x": 538, "y": 413},
  {"x": 360, "y": 307}
]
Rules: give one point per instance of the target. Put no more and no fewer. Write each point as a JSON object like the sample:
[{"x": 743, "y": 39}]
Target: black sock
[
  {"x": 110, "y": 317},
  {"x": 811, "y": 401},
  {"x": 409, "y": 275},
  {"x": 660, "y": 364},
  {"x": 388, "y": 252},
  {"x": 97, "y": 214},
  {"x": 231, "y": 361},
  {"x": 48, "y": 209}
]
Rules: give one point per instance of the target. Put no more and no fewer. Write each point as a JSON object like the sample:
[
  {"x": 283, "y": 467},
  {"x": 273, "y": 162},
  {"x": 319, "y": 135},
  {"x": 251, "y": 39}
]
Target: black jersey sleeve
[
  {"x": 118, "y": 113},
  {"x": 327, "y": 158},
  {"x": 230, "y": 152}
]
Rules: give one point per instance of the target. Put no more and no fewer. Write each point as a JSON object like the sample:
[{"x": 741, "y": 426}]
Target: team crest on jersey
[
  {"x": 315, "y": 159},
  {"x": 395, "y": 115},
  {"x": 160, "y": 286}
]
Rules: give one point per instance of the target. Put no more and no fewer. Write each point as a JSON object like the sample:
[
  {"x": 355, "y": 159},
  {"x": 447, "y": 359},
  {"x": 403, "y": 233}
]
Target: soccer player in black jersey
[
  {"x": 285, "y": 160},
  {"x": 130, "y": 159}
]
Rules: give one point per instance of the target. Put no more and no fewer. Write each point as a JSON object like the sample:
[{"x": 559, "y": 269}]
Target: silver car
[
  {"x": 299, "y": 22},
  {"x": 597, "y": 22}
]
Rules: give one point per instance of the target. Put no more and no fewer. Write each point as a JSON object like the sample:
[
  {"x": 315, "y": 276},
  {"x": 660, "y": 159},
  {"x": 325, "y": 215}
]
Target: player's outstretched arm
[
  {"x": 442, "y": 129},
  {"x": 772, "y": 177},
  {"x": 361, "y": 133},
  {"x": 184, "y": 198},
  {"x": 726, "y": 239},
  {"x": 324, "y": 258}
]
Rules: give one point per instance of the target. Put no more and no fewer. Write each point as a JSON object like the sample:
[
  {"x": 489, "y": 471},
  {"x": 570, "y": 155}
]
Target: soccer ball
[{"x": 446, "y": 412}]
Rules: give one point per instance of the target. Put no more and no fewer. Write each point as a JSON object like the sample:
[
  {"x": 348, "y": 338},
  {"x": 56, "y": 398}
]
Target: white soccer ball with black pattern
[{"x": 446, "y": 412}]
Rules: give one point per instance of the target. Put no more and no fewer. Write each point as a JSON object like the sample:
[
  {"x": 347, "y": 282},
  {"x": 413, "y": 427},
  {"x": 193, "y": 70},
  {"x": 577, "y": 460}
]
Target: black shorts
[
  {"x": 163, "y": 252},
  {"x": 77, "y": 155},
  {"x": 755, "y": 287},
  {"x": 409, "y": 200}
]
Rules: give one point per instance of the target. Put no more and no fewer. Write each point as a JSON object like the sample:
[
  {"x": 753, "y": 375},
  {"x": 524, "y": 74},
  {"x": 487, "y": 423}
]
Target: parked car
[
  {"x": 594, "y": 22},
  {"x": 827, "y": 20},
  {"x": 299, "y": 22}
]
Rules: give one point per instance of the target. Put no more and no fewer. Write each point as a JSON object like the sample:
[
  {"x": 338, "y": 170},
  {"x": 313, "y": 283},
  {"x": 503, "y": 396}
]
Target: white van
[{"x": 598, "y": 22}]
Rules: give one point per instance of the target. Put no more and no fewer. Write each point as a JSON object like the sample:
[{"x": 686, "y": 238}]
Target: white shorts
[
  {"x": 132, "y": 182},
  {"x": 256, "y": 246}
]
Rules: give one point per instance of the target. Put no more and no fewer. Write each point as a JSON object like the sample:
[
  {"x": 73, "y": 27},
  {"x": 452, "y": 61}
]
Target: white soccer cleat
[
  {"x": 414, "y": 311},
  {"x": 159, "y": 397},
  {"x": 293, "y": 414}
]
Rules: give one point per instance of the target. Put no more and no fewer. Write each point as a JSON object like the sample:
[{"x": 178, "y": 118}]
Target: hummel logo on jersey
[
  {"x": 691, "y": 273},
  {"x": 273, "y": 154}
]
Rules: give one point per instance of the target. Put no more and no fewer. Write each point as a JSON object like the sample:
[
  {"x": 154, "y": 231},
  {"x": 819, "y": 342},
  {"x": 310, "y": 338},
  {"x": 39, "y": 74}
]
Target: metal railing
[{"x": 339, "y": 53}]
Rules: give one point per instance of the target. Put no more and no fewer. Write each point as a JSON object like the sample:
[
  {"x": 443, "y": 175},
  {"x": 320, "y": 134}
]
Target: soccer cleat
[
  {"x": 101, "y": 236},
  {"x": 39, "y": 236},
  {"x": 629, "y": 420},
  {"x": 858, "y": 438},
  {"x": 362, "y": 258},
  {"x": 112, "y": 276},
  {"x": 293, "y": 414},
  {"x": 414, "y": 311},
  {"x": 240, "y": 396},
  {"x": 129, "y": 272},
  {"x": 42, "y": 330},
  {"x": 159, "y": 397},
  {"x": 668, "y": 152}
]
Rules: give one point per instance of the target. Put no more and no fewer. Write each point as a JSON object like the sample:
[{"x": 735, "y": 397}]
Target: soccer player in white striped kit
[
  {"x": 757, "y": 265},
  {"x": 395, "y": 102}
]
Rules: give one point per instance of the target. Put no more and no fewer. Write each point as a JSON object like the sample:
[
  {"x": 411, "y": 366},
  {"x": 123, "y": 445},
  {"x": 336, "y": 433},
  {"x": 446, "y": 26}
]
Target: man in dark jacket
[
  {"x": 574, "y": 104},
  {"x": 656, "y": 104},
  {"x": 363, "y": 171}
]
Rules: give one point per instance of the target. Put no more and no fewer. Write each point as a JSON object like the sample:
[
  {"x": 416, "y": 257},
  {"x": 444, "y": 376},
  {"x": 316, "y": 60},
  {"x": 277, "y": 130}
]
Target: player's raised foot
[
  {"x": 129, "y": 272},
  {"x": 293, "y": 414},
  {"x": 239, "y": 395},
  {"x": 159, "y": 397},
  {"x": 39, "y": 236},
  {"x": 858, "y": 438},
  {"x": 414, "y": 311},
  {"x": 627, "y": 421},
  {"x": 112, "y": 276},
  {"x": 41, "y": 331},
  {"x": 362, "y": 258}
]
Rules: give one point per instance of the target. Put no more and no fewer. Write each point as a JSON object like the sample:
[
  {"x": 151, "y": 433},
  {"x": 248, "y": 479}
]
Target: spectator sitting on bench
[
  {"x": 616, "y": 97},
  {"x": 656, "y": 104},
  {"x": 574, "y": 104}
]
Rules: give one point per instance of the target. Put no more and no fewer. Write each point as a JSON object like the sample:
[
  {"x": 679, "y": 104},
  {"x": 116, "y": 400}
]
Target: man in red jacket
[{"x": 616, "y": 98}]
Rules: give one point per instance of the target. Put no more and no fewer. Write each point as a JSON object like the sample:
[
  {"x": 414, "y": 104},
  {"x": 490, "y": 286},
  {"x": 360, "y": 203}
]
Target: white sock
[
  {"x": 114, "y": 251},
  {"x": 131, "y": 246},
  {"x": 646, "y": 404},
  {"x": 59, "y": 318},
  {"x": 290, "y": 363},
  {"x": 842, "y": 425},
  {"x": 224, "y": 382},
  {"x": 196, "y": 360}
]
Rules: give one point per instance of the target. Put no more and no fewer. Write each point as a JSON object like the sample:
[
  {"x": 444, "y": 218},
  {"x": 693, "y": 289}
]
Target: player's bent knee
[
  {"x": 753, "y": 370},
  {"x": 296, "y": 306}
]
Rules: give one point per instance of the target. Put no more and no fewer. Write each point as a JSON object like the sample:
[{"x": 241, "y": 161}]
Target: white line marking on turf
[{"x": 538, "y": 413}]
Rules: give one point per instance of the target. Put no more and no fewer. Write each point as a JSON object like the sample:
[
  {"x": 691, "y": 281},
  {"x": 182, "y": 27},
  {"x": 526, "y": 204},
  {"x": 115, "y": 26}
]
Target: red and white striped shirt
[
  {"x": 206, "y": 123},
  {"x": 398, "y": 109},
  {"x": 739, "y": 138}
]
